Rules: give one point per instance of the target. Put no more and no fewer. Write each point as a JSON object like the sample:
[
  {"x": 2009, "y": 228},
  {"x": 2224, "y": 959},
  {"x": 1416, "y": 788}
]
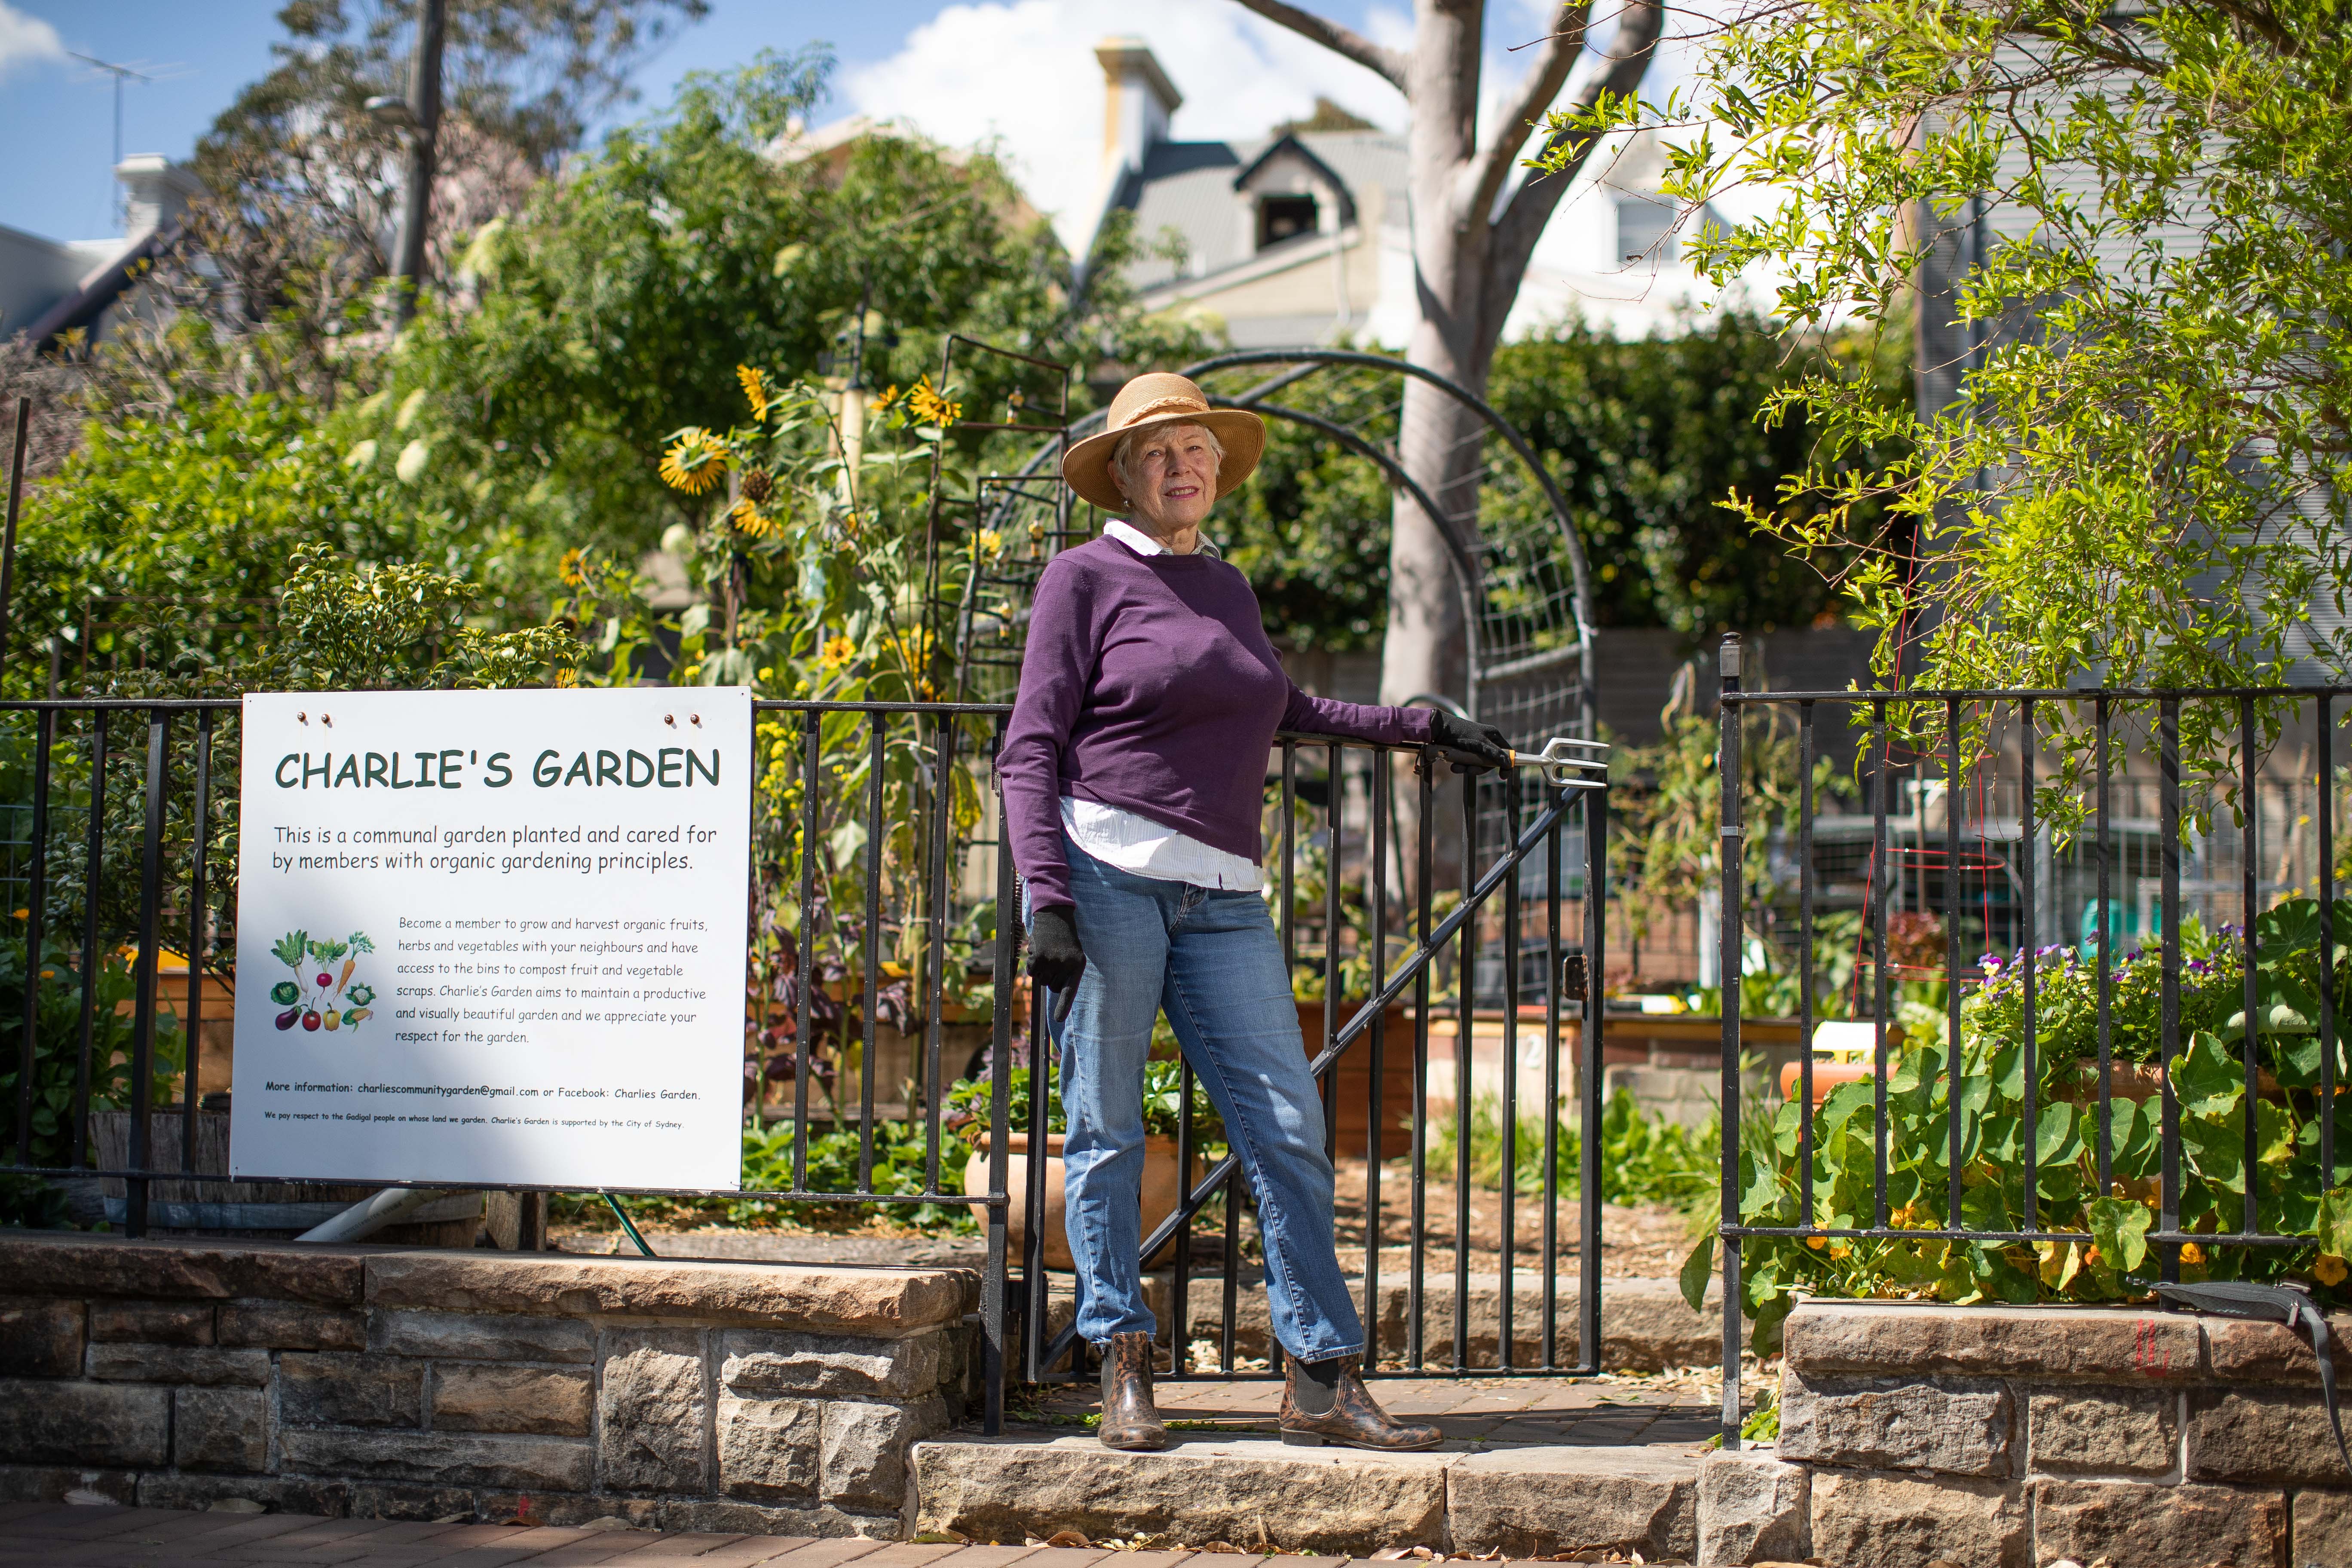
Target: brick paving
[{"x": 39, "y": 1536}]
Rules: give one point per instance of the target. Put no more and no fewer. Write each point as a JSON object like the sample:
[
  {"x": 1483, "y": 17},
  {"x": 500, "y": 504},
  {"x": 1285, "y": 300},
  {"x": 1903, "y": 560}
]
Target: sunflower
[
  {"x": 837, "y": 652},
  {"x": 929, "y": 407},
  {"x": 569, "y": 568},
  {"x": 991, "y": 543},
  {"x": 755, "y": 390},
  {"x": 748, "y": 518},
  {"x": 696, "y": 460}
]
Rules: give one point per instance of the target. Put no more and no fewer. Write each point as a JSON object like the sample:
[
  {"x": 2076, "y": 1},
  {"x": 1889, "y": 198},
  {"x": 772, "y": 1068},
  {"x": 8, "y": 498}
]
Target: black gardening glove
[
  {"x": 1055, "y": 959},
  {"x": 1470, "y": 744}
]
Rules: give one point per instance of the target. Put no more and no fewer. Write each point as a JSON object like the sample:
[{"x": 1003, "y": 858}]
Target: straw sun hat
[{"x": 1162, "y": 398}]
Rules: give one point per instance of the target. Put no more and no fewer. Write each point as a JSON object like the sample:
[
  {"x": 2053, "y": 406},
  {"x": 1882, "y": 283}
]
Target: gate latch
[{"x": 1573, "y": 984}]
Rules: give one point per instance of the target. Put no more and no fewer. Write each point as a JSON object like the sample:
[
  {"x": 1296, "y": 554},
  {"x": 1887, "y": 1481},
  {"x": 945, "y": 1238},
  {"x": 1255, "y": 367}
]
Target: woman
[{"x": 1134, "y": 776}]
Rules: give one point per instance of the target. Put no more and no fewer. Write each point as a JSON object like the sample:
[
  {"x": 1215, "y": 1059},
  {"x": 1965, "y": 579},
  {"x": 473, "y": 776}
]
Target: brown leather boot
[
  {"x": 1354, "y": 1420},
  {"x": 1129, "y": 1419}
]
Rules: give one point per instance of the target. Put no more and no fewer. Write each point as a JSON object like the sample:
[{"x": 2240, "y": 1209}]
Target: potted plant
[{"x": 1163, "y": 1183}]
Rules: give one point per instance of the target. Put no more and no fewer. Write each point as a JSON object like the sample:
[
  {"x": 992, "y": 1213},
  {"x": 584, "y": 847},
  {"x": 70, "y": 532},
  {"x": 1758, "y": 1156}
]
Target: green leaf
[
  {"x": 1842, "y": 1103},
  {"x": 2120, "y": 1228},
  {"x": 2289, "y": 927},
  {"x": 2334, "y": 1228},
  {"x": 2208, "y": 1081},
  {"x": 1698, "y": 1269},
  {"x": 2009, "y": 1073},
  {"x": 2057, "y": 1135},
  {"x": 1764, "y": 1193}
]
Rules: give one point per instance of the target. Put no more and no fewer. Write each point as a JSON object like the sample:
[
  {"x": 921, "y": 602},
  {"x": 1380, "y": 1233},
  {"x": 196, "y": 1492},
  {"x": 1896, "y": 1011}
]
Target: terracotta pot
[{"x": 1162, "y": 1186}]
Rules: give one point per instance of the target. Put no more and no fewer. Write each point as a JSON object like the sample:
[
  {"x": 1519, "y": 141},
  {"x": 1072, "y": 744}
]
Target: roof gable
[{"x": 1287, "y": 147}]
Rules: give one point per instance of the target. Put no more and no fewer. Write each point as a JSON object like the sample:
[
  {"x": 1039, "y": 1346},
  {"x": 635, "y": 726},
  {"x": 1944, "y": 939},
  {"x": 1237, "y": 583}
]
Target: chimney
[
  {"x": 1138, "y": 98},
  {"x": 156, "y": 192}
]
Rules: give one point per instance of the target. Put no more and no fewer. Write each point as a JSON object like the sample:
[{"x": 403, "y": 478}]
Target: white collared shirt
[{"x": 1136, "y": 844}]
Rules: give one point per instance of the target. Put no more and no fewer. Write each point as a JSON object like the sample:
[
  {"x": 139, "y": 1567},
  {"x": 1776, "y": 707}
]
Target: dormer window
[{"x": 1283, "y": 217}]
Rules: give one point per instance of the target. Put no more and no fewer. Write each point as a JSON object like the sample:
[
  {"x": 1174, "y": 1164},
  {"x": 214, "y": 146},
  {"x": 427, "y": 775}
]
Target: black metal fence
[
  {"x": 883, "y": 964},
  {"x": 2085, "y": 975}
]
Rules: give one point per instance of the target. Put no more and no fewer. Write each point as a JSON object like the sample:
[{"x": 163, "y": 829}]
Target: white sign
[{"x": 493, "y": 937}]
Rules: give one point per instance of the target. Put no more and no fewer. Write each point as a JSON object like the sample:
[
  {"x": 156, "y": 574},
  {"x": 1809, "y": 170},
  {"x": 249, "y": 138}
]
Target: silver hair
[{"x": 1119, "y": 449}]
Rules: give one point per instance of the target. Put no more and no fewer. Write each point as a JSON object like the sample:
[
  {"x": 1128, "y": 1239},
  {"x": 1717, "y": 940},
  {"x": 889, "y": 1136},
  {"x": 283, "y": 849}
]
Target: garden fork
[{"x": 1559, "y": 762}]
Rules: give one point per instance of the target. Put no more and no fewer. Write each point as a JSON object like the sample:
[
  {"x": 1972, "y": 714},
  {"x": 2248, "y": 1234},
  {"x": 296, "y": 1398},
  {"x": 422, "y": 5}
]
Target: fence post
[
  {"x": 1730, "y": 928},
  {"x": 1000, "y": 1119}
]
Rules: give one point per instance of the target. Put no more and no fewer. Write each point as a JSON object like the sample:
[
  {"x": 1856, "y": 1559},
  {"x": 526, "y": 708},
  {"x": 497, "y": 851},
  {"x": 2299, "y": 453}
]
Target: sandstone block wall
[
  {"x": 383, "y": 1383},
  {"x": 2011, "y": 1437}
]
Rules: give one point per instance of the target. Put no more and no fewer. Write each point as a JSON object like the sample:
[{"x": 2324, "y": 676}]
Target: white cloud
[
  {"x": 25, "y": 40},
  {"x": 1023, "y": 74}
]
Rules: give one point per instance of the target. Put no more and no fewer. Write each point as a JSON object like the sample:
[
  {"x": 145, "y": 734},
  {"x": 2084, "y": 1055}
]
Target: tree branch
[
  {"x": 1494, "y": 162},
  {"x": 1386, "y": 63},
  {"x": 1522, "y": 222}
]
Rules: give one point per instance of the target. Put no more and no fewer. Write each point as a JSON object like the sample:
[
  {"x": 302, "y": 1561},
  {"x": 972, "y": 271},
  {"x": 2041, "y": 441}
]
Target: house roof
[
  {"x": 85, "y": 305},
  {"x": 1188, "y": 186},
  {"x": 1289, "y": 145}
]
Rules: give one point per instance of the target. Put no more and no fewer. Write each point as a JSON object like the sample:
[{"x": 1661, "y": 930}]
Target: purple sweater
[{"x": 1149, "y": 685}]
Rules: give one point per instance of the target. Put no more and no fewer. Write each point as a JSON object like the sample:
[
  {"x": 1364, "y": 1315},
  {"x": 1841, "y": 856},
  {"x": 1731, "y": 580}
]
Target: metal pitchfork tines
[{"x": 1561, "y": 764}]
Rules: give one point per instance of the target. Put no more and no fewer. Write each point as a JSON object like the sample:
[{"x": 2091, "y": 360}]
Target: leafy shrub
[
  {"x": 1643, "y": 1161},
  {"x": 2292, "y": 1195},
  {"x": 30, "y": 1200}
]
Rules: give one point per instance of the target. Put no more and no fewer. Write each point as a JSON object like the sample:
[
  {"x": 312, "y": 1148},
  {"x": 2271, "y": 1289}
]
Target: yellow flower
[
  {"x": 569, "y": 570},
  {"x": 747, "y": 516},
  {"x": 1838, "y": 1250},
  {"x": 838, "y": 652},
  {"x": 929, "y": 407},
  {"x": 696, "y": 460},
  {"x": 991, "y": 542},
  {"x": 2329, "y": 1269},
  {"x": 755, "y": 390},
  {"x": 2191, "y": 1253},
  {"x": 886, "y": 399},
  {"x": 767, "y": 673},
  {"x": 1817, "y": 1242}
]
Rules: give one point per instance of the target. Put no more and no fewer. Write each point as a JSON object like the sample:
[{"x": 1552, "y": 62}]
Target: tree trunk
[
  {"x": 1425, "y": 650},
  {"x": 1473, "y": 233}
]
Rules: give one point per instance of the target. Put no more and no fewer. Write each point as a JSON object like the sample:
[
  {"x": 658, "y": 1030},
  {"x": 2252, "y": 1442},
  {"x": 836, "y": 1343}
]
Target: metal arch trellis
[{"x": 1525, "y": 590}]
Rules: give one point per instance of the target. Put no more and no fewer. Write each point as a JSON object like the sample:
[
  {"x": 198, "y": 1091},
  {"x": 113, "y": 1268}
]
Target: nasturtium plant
[{"x": 2291, "y": 1195}]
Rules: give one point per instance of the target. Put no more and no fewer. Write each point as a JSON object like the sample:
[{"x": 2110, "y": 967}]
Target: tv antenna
[{"x": 120, "y": 74}]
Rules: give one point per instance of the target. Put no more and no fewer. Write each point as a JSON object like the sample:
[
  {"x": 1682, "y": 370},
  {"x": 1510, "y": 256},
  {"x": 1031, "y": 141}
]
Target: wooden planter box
[
  {"x": 257, "y": 1209},
  {"x": 1355, "y": 1079}
]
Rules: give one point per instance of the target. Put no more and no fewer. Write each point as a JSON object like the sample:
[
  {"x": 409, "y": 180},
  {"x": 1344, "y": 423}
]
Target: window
[{"x": 1283, "y": 217}]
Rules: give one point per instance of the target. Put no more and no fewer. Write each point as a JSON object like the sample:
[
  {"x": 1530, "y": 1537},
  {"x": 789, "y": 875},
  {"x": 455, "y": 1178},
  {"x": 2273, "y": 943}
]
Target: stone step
[
  {"x": 1256, "y": 1492},
  {"x": 1645, "y": 1324}
]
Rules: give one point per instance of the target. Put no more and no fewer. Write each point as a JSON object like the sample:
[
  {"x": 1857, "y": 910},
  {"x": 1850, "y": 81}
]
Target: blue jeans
[{"x": 1211, "y": 960}]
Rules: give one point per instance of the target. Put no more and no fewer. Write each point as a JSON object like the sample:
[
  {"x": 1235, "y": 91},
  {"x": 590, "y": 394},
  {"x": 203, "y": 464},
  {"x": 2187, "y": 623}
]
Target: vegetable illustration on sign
[{"x": 321, "y": 995}]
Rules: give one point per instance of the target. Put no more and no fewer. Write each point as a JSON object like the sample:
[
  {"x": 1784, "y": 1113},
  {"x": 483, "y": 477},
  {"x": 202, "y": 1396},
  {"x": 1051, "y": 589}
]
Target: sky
[{"x": 1019, "y": 74}]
